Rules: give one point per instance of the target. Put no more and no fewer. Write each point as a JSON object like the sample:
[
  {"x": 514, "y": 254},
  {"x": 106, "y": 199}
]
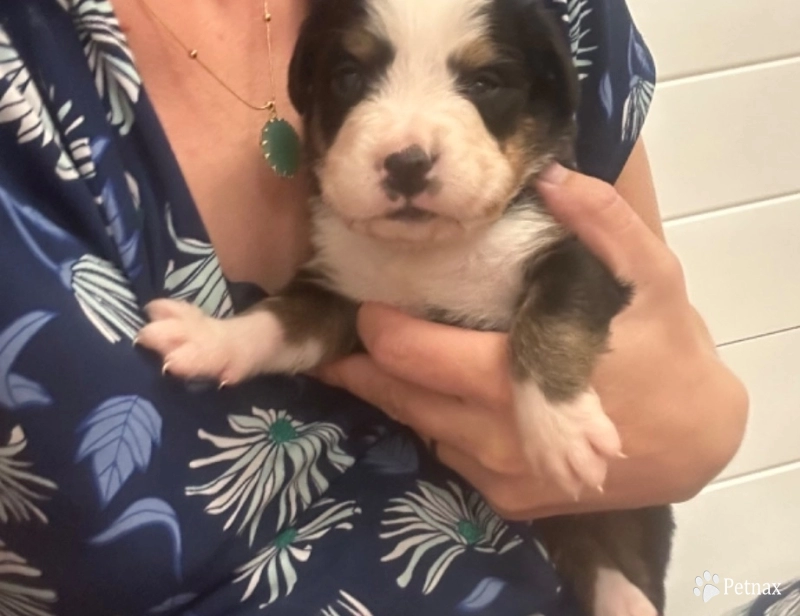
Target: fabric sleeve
[{"x": 617, "y": 75}]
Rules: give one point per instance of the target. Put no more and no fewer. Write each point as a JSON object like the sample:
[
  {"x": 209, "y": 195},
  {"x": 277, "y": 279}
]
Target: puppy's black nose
[{"x": 407, "y": 171}]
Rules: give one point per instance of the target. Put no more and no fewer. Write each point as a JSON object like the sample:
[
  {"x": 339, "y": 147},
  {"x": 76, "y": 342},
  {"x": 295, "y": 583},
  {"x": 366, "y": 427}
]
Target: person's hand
[{"x": 679, "y": 410}]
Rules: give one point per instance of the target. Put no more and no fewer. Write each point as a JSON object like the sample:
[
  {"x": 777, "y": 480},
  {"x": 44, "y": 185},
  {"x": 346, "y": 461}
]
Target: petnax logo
[{"x": 711, "y": 585}]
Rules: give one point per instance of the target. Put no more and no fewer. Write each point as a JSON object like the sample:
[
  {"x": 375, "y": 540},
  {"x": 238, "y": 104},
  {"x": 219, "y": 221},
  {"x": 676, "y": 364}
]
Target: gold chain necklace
[{"x": 280, "y": 143}]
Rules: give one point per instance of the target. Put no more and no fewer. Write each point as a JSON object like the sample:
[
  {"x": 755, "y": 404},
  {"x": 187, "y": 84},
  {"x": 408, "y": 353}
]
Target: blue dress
[{"x": 123, "y": 492}]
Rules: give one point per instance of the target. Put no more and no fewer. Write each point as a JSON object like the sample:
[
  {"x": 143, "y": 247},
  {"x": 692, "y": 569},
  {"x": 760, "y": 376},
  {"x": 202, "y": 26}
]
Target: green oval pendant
[{"x": 280, "y": 145}]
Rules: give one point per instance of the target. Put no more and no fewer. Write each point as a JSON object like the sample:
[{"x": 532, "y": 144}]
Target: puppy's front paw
[
  {"x": 192, "y": 344},
  {"x": 568, "y": 442},
  {"x": 614, "y": 595}
]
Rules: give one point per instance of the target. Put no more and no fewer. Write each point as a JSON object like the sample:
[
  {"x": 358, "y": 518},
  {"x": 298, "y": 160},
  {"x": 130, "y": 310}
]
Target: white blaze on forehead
[
  {"x": 424, "y": 35},
  {"x": 417, "y": 102}
]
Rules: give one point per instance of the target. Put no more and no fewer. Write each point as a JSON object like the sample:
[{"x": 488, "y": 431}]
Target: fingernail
[
  {"x": 622, "y": 456},
  {"x": 165, "y": 369},
  {"x": 135, "y": 341},
  {"x": 600, "y": 489},
  {"x": 223, "y": 385},
  {"x": 554, "y": 174}
]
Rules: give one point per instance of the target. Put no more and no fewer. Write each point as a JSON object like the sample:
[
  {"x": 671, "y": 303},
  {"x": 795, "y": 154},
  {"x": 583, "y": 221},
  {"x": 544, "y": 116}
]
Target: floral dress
[{"x": 124, "y": 492}]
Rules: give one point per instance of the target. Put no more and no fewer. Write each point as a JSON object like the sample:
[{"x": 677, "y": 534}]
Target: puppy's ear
[
  {"x": 304, "y": 58},
  {"x": 545, "y": 45}
]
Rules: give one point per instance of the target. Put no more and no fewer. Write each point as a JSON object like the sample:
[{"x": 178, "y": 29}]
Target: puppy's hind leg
[
  {"x": 289, "y": 333},
  {"x": 616, "y": 561},
  {"x": 560, "y": 329}
]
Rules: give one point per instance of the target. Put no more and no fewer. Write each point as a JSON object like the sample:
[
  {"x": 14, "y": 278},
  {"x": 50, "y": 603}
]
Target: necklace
[{"x": 280, "y": 143}]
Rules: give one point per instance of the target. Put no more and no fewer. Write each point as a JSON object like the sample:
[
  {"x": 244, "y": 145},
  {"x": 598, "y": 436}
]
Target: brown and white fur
[{"x": 426, "y": 122}]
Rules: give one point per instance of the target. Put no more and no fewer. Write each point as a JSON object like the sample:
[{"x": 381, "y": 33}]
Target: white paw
[
  {"x": 194, "y": 345},
  {"x": 569, "y": 443},
  {"x": 615, "y": 595}
]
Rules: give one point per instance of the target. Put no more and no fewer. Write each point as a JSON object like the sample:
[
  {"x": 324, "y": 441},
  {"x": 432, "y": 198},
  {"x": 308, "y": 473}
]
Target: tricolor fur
[{"x": 426, "y": 124}]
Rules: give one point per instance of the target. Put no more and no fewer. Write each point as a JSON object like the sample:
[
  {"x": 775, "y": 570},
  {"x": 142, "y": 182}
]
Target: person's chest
[{"x": 257, "y": 221}]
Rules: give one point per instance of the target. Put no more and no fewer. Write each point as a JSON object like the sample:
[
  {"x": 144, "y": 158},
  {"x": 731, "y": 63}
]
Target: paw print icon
[{"x": 706, "y": 586}]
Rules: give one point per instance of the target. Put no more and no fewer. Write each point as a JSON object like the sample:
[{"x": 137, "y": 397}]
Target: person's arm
[
  {"x": 680, "y": 411},
  {"x": 635, "y": 185}
]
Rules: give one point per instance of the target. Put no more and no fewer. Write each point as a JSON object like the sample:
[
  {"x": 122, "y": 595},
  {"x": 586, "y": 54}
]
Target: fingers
[
  {"x": 454, "y": 361},
  {"x": 161, "y": 309},
  {"x": 603, "y": 221},
  {"x": 434, "y": 415}
]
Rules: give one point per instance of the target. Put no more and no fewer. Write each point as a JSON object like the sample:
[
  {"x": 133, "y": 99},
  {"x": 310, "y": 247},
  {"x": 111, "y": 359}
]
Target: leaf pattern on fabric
[
  {"x": 348, "y": 603},
  {"x": 22, "y": 103},
  {"x": 105, "y": 296},
  {"x": 174, "y": 603},
  {"x": 293, "y": 543},
  {"x": 446, "y": 521},
  {"x": 127, "y": 242},
  {"x": 83, "y": 151},
  {"x": 16, "y": 391},
  {"x": 201, "y": 282},
  {"x": 275, "y": 457},
  {"x": 396, "y": 455},
  {"x": 143, "y": 513},
  {"x": 576, "y": 12},
  {"x": 642, "y": 88},
  {"x": 19, "y": 488},
  {"x": 483, "y": 595},
  {"x": 18, "y": 594},
  {"x": 109, "y": 57},
  {"x": 100, "y": 288},
  {"x": 119, "y": 436},
  {"x": 607, "y": 95}
]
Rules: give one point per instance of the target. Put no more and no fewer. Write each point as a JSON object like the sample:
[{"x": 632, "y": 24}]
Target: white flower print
[
  {"x": 105, "y": 296},
  {"x": 577, "y": 11},
  {"x": 294, "y": 543},
  {"x": 638, "y": 102},
  {"x": 276, "y": 456},
  {"x": 348, "y": 603},
  {"x": 22, "y": 102},
  {"x": 200, "y": 282},
  {"x": 80, "y": 161},
  {"x": 19, "y": 488},
  {"x": 447, "y": 521},
  {"x": 642, "y": 88},
  {"x": 17, "y": 596},
  {"x": 110, "y": 59}
]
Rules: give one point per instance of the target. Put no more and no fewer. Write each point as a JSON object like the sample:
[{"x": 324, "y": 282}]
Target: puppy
[{"x": 426, "y": 124}]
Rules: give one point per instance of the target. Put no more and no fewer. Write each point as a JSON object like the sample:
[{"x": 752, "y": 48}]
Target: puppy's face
[{"x": 424, "y": 118}]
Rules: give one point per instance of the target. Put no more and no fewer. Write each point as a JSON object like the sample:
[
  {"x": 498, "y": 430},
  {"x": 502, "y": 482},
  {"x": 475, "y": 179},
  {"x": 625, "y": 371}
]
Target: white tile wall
[
  {"x": 747, "y": 531},
  {"x": 741, "y": 265},
  {"x": 771, "y": 367},
  {"x": 724, "y": 142},
  {"x": 692, "y": 37},
  {"x": 727, "y": 139}
]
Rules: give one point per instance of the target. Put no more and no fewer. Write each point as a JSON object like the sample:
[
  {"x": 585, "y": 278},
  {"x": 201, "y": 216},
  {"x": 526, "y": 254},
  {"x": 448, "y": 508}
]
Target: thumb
[{"x": 606, "y": 224}]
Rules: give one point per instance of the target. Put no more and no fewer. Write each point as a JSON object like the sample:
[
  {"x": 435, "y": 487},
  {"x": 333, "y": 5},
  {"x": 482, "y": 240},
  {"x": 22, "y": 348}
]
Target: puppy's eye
[
  {"x": 484, "y": 84},
  {"x": 348, "y": 81}
]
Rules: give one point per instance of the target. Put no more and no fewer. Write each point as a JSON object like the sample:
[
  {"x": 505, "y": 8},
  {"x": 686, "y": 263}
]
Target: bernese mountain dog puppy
[{"x": 426, "y": 124}]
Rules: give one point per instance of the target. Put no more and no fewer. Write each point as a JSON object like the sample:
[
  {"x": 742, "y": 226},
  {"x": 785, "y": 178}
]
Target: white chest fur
[{"x": 476, "y": 282}]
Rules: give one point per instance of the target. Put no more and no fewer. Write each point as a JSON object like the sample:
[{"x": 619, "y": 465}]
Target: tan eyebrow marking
[
  {"x": 362, "y": 44},
  {"x": 475, "y": 54}
]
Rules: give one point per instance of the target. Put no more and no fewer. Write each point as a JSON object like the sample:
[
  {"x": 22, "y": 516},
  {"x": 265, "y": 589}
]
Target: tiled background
[{"x": 724, "y": 143}]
